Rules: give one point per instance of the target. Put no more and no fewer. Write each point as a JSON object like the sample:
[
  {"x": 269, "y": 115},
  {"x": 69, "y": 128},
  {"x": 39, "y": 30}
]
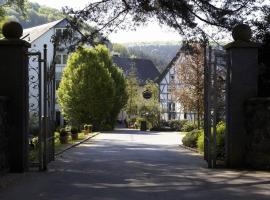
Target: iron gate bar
[
  {"x": 40, "y": 141},
  {"x": 45, "y": 101},
  {"x": 227, "y": 104},
  {"x": 214, "y": 155},
  {"x": 205, "y": 103},
  {"x": 208, "y": 133}
]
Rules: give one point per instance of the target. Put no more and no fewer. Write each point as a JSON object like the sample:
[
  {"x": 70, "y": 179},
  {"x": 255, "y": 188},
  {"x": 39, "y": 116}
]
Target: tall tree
[
  {"x": 133, "y": 89},
  {"x": 87, "y": 90},
  {"x": 16, "y": 4},
  {"x": 190, "y": 74},
  {"x": 121, "y": 96}
]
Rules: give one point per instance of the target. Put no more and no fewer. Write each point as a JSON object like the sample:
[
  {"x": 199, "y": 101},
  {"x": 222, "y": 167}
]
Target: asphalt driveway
[{"x": 133, "y": 165}]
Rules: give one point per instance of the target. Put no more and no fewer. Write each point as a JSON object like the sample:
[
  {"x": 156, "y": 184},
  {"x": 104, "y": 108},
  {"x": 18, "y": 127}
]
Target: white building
[
  {"x": 172, "y": 109},
  {"x": 38, "y": 36}
]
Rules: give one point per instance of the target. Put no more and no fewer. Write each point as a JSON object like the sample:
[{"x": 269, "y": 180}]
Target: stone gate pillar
[
  {"x": 242, "y": 85},
  {"x": 14, "y": 85}
]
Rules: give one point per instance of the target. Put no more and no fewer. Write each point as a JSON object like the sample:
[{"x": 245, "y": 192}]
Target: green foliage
[
  {"x": 177, "y": 125},
  {"x": 87, "y": 92},
  {"x": 220, "y": 141},
  {"x": 159, "y": 53},
  {"x": 133, "y": 90},
  {"x": 121, "y": 96},
  {"x": 74, "y": 130},
  {"x": 200, "y": 142},
  {"x": 121, "y": 49},
  {"x": 34, "y": 14},
  {"x": 189, "y": 126},
  {"x": 63, "y": 132},
  {"x": 191, "y": 138},
  {"x": 150, "y": 108}
]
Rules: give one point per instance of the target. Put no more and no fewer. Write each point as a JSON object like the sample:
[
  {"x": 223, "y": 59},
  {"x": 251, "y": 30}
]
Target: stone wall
[
  {"x": 257, "y": 112},
  {"x": 3, "y": 135}
]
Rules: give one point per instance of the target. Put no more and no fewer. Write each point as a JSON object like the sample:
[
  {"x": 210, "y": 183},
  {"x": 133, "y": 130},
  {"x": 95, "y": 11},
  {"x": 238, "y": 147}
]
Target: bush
[
  {"x": 106, "y": 127},
  {"x": 191, "y": 138},
  {"x": 189, "y": 126},
  {"x": 159, "y": 128},
  {"x": 220, "y": 141},
  {"x": 163, "y": 123},
  {"x": 200, "y": 142},
  {"x": 177, "y": 125}
]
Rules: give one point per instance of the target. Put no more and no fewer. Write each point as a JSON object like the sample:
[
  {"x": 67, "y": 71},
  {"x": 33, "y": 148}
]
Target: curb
[
  {"x": 76, "y": 144},
  {"x": 189, "y": 148}
]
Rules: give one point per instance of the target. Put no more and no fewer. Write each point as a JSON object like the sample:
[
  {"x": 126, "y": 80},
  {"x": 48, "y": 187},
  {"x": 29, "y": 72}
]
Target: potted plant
[
  {"x": 87, "y": 128},
  {"x": 63, "y": 136},
  {"x": 74, "y": 133}
]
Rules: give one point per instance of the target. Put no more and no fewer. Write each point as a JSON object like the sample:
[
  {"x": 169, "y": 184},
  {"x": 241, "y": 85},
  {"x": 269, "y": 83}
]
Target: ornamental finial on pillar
[
  {"x": 242, "y": 37},
  {"x": 12, "y": 30},
  {"x": 242, "y": 32}
]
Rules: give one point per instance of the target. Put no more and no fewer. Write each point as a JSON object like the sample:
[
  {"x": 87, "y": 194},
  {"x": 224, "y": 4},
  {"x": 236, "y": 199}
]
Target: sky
[{"x": 150, "y": 33}]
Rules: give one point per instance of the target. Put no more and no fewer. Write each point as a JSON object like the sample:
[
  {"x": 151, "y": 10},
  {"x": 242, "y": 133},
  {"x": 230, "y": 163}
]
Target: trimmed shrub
[
  {"x": 220, "y": 139},
  {"x": 191, "y": 138},
  {"x": 189, "y": 126},
  {"x": 177, "y": 125},
  {"x": 159, "y": 128},
  {"x": 200, "y": 142},
  {"x": 106, "y": 127}
]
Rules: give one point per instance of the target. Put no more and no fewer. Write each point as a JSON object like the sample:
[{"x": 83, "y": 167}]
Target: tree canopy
[
  {"x": 34, "y": 14},
  {"x": 91, "y": 92},
  {"x": 190, "y": 76},
  {"x": 186, "y": 16}
]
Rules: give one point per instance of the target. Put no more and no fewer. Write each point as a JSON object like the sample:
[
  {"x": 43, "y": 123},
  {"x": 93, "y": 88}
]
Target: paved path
[{"x": 131, "y": 165}]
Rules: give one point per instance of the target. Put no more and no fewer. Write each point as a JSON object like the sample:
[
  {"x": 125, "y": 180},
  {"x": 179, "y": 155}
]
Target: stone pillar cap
[
  {"x": 12, "y": 30},
  {"x": 242, "y": 35}
]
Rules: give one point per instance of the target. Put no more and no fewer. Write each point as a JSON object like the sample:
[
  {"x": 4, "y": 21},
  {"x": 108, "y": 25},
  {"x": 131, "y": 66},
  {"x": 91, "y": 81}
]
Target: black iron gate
[
  {"x": 41, "y": 109},
  {"x": 215, "y": 100}
]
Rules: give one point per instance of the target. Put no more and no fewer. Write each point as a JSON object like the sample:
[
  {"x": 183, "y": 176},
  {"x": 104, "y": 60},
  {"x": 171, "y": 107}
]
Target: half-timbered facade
[{"x": 172, "y": 109}]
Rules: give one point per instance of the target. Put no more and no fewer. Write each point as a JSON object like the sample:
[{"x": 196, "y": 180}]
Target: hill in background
[
  {"x": 35, "y": 15},
  {"x": 161, "y": 53}
]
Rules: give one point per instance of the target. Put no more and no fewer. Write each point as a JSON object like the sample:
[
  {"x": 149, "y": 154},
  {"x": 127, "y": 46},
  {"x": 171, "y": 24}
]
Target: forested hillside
[
  {"x": 161, "y": 53},
  {"x": 35, "y": 15}
]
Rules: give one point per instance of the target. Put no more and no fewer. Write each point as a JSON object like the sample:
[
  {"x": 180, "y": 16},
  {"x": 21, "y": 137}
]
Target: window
[
  {"x": 171, "y": 116},
  {"x": 65, "y": 57},
  {"x": 171, "y": 107},
  {"x": 58, "y": 75},
  {"x": 60, "y": 31},
  {"x": 61, "y": 59},
  {"x": 169, "y": 88},
  {"x": 58, "y": 59}
]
